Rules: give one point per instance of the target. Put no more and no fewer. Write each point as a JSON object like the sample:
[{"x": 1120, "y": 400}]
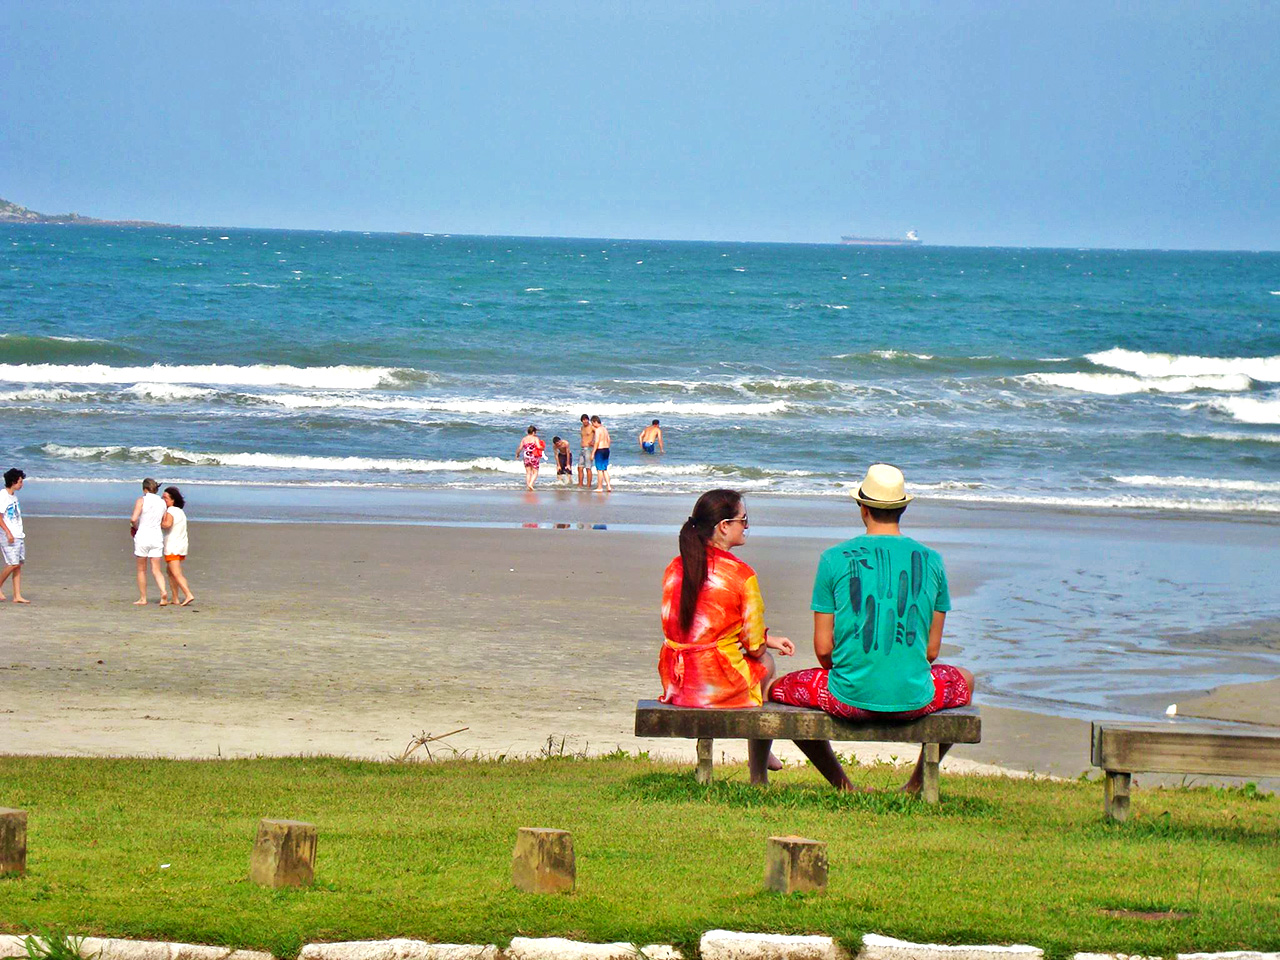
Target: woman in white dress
[
  {"x": 148, "y": 540},
  {"x": 174, "y": 525}
]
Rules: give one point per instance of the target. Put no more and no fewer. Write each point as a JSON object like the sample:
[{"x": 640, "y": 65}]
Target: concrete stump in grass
[
  {"x": 795, "y": 865},
  {"x": 13, "y": 841},
  {"x": 543, "y": 861},
  {"x": 284, "y": 854}
]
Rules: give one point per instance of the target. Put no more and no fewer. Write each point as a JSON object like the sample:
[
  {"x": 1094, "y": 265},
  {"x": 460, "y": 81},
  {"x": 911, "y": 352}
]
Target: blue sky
[{"x": 1074, "y": 124}]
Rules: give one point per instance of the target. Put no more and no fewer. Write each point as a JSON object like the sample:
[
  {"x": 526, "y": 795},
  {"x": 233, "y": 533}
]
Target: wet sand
[{"x": 350, "y": 639}]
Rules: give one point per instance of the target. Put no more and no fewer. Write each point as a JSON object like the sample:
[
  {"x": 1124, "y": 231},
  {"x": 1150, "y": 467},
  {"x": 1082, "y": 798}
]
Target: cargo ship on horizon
[{"x": 910, "y": 240}]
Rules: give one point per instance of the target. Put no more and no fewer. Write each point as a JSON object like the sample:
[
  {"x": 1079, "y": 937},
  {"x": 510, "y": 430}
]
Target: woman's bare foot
[
  {"x": 21, "y": 600},
  {"x": 140, "y": 603},
  {"x": 774, "y": 762},
  {"x": 187, "y": 601},
  {"x": 164, "y": 601}
]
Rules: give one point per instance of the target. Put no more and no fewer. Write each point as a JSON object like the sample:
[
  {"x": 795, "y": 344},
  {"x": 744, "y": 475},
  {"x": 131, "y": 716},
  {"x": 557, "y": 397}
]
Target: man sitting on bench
[{"x": 879, "y": 604}]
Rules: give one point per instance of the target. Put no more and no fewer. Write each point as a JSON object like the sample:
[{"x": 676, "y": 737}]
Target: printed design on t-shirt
[{"x": 887, "y": 605}]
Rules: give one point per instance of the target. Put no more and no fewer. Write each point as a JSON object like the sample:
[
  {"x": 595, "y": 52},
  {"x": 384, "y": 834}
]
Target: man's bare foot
[
  {"x": 854, "y": 788},
  {"x": 774, "y": 762},
  {"x": 21, "y": 600},
  {"x": 140, "y": 603}
]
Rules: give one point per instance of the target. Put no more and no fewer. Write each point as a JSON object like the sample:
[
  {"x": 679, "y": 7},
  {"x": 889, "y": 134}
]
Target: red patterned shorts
[{"x": 808, "y": 688}]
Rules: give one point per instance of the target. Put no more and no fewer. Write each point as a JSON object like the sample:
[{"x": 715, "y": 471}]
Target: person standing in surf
[
  {"x": 530, "y": 452},
  {"x": 879, "y": 605},
  {"x": 651, "y": 439},
  {"x": 586, "y": 451},
  {"x": 601, "y": 443}
]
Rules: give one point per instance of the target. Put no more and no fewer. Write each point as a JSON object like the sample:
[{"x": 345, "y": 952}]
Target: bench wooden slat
[
  {"x": 776, "y": 721},
  {"x": 1185, "y": 748}
]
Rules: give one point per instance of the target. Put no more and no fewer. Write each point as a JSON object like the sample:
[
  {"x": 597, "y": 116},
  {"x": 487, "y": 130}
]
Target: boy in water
[
  {"x": 564, "y": 460},
  {"x": 586, "y": 450},
  {"x": 601, "y": 443},
  {"x": 651, "y": 439},
  {"x": 13, "y": 539}
]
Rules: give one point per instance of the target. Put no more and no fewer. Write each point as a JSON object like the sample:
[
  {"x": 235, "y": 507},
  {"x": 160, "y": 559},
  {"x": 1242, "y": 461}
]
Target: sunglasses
[{"x": 742, "y": 520}]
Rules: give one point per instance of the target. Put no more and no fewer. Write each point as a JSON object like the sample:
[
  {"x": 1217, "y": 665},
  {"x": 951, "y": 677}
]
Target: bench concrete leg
[
  {"x": 932, "y": 757},
  {"x": 703, "y": 774},
  {"x": 1115, "y": 796}
]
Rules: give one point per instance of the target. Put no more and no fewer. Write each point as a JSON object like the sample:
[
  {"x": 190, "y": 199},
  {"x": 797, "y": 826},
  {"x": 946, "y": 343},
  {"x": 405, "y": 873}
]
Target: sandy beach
[{"x": 351, "y": 638}]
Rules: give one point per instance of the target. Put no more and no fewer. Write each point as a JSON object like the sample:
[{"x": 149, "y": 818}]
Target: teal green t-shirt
[{"x": 883, "y": 591}]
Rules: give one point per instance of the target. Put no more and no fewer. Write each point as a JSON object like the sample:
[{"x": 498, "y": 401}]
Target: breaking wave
[
  {"x": 1173, "y": 365},
  {"x": 1247, "y": 409},
  {"x": 1117, "y": 384},
  {"x": 258, "y": 375},
  {"x": 572, "y": 408}
]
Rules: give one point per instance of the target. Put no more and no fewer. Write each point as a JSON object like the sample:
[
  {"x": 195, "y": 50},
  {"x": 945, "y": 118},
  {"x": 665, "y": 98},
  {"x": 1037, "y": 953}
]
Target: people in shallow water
[
  {"x": 880, "y": 602},
  {"x": 651, "y": 438},
  {"x": 530, "y": 450},
  {"x": 715, "y": 651},
  {"x": 564, "y": 460}
]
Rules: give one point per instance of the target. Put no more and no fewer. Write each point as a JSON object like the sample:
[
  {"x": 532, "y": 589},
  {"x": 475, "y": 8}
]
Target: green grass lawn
[{"x": 423, "y": 850}]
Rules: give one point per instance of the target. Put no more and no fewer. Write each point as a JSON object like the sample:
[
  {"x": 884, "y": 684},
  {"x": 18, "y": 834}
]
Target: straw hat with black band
[{"x": 883, "y": 488}]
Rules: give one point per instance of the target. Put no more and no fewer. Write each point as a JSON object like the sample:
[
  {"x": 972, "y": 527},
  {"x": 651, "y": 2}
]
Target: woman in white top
[
  {"x": 175, "y": 542},
  {"x": 148, "y": 540}
]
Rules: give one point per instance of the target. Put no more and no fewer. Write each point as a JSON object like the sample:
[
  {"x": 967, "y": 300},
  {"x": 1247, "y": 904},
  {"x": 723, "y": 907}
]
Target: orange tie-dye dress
[{"x": 709, "y": 666}]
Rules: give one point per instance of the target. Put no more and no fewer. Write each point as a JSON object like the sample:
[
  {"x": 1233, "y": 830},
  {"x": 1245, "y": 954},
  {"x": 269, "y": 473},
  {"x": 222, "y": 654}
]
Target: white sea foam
[
  {"x": 511, "y": 408},
  {"x": 894, "y": 355},
  {"x": 40, "y": 394},
  {"x": 1233, "y": 437},
  {"x": 1117, "y": 384},
  {"x": 167, "y": 391},
  {"x": 258, "y": 375},
  {"x": 172, "y": 456},
  {"x": 1202, "y": 483},
  {"x": 1174, "y": 365},
  {"x": 1248, "y": 409},
  {"x": 836, "y": 306}
]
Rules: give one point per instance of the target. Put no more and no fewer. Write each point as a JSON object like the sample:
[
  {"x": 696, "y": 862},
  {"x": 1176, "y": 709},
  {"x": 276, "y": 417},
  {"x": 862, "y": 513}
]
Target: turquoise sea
[{"x": 1070, "y": 377}]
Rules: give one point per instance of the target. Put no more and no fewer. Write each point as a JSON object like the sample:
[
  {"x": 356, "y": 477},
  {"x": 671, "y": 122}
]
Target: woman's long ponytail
[{"x": 712, "y": 507}]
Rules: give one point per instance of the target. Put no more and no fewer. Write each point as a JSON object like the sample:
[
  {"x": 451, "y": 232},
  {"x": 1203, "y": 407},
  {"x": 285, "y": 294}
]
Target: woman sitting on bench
[{"x": 716, "y": 651}]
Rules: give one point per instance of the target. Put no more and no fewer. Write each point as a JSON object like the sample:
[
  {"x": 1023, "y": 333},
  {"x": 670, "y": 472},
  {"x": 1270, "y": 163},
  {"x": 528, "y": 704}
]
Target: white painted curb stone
[
  {"x": 558, "y": 948},
  {"x": 728, "y": 945},
  {"x": 397, "y": 949},
  {"x": 876, "y": 947},
  {"x": 1113, "y": 956},
  {"x": 1232, "y": 955},
  {"x": 112, "y": 949}
]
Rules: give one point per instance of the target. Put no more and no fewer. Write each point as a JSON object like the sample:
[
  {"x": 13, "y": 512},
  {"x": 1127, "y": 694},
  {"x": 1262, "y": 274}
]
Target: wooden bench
[
  {"x": 778, "y": 722},
  {"x": 1123, "y": 749}
]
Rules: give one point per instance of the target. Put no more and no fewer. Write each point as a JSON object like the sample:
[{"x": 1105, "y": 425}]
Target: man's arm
[
  {"x": 661, "y": 448},
  {"x": 5, "y": 527},
  {"x": 935, "y": 635},
  {"x": 824, "y": 637},
  {"x": 137, "y": 511}
]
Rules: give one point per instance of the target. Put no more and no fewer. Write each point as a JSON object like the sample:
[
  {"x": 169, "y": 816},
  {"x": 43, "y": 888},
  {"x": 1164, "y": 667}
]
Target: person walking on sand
[
  {"x": 879, "y": 604},
  {"x": 651, "y": 438},
  {"x": 174, "y": 526},
  {"x": 601, "y": 443},
  {"x": 148, "y": 540},
  {"x": 586, "y": 450},
  {"x": 530, "y": 451},
  {"x": 13, "y": 537},
  {"x": 564, "y": 460}
]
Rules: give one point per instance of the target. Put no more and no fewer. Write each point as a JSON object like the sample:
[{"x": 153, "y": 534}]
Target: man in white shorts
[
  {"x": 148, "y": 540},
  {"x": 13, "y": 538}
]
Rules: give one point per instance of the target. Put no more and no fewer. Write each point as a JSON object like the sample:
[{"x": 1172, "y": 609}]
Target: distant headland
[{"x": 13, "y": 213}]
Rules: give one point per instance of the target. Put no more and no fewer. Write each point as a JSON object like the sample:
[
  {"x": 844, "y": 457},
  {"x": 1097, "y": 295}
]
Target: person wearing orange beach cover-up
[{"x": 716, "y": 647}]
